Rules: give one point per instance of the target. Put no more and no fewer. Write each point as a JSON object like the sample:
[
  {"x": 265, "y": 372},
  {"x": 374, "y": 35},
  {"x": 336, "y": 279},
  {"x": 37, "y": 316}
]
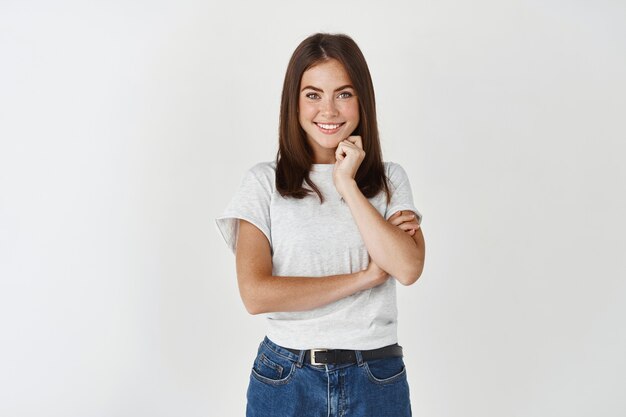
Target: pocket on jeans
[
  {"x": 385, "y": 371},
  {"x": 272, "y": 368},
  {"x": 267, "y": 368}
]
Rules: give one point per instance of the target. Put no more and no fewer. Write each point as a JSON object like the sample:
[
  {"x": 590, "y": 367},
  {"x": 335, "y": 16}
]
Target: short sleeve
[
  {"x": 251, "y": 203},
  {"x": 401, "y": 194}
]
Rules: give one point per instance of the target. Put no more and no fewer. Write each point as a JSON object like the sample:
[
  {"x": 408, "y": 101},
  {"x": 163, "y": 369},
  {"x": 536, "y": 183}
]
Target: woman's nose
[{"x": 329, "y": 109}]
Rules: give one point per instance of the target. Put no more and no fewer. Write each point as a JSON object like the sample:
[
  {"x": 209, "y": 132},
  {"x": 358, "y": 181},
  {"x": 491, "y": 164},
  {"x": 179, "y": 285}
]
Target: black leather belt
[{"x": 337, "y": 356}]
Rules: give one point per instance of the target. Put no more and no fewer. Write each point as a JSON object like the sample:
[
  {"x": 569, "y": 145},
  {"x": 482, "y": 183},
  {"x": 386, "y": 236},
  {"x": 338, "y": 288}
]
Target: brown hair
[{"x": 295, "y": 156}]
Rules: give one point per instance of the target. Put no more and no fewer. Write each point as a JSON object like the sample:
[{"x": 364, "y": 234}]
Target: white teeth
[{"x": 328, "y": 127}]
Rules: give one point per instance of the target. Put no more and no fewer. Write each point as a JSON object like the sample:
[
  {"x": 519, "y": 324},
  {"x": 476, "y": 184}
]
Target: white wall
[{"x": 125, "y": 128}]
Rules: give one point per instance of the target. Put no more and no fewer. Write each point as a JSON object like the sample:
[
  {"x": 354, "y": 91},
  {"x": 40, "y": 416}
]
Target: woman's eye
[
  {"x": 312, "y": 95},
  {"x": 345, "y": 94}
]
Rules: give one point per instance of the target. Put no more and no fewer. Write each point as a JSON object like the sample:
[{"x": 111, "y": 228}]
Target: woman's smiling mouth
[{"x": 329, "y": 128}]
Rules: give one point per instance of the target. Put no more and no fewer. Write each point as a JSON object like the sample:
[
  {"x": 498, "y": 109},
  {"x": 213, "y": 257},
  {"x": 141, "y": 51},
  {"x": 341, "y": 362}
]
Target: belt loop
[
  {"x": 359, "y": 357},
  {"x": 300, "y": 358}
]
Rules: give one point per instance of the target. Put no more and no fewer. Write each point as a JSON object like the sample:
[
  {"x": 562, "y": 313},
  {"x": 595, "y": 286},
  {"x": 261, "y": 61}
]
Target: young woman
[{"x": 321, "y": 235}]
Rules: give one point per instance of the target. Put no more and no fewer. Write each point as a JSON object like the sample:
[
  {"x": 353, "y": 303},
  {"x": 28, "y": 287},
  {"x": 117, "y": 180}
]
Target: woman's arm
[
  {"x": 261, "y": 292},
  {"x": 394, "y": 250},
  {"x": 400, "y": 255}
]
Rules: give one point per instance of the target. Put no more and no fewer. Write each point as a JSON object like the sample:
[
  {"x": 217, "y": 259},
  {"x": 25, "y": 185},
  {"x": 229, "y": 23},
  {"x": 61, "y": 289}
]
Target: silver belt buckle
[{"x": 313, "y": 351}]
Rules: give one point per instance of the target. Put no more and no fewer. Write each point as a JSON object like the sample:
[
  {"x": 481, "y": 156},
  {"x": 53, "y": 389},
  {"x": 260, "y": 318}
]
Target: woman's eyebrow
[
  {"x": 343, "y": 87},
  {"x": 310, "y": 87}
]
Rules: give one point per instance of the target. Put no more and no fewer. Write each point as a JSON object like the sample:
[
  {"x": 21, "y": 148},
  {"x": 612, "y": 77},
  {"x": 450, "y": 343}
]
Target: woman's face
[{"x": 328, "y": 108}]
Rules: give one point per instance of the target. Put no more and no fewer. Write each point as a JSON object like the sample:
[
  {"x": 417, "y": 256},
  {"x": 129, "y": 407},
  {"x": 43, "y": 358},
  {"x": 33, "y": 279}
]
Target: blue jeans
[{"x": 283, "y": 385}]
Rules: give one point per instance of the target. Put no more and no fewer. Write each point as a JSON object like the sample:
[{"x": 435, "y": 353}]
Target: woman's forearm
[
  {"x": 279, "y": 293},
  {"x": 391, "y": 248},
  {"x": 263, "y": 292}
]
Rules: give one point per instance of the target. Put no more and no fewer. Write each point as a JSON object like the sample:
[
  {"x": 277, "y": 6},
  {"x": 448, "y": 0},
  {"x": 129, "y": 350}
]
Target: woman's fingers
[
  {"x": 396, "y": 221},
  {"x": 406, "y": 226},
  {"x": 402, "y": 216},
  {"x": 356, "y": 140},
  {"x": 349, "y": 158},
  {"x": 406, "y": 221},
  {"x": 346, "y": 147},
  {"x": 342, "y": 151}
]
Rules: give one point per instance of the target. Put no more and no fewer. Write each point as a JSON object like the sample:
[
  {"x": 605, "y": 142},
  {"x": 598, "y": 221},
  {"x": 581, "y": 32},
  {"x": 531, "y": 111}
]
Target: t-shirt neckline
[{"x": 322, "y": 167}]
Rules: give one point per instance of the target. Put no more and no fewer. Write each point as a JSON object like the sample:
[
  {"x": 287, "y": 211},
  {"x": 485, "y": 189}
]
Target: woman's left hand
[
  {"x": 406, "y": 221},
  {"x": 349, "y": 155}
]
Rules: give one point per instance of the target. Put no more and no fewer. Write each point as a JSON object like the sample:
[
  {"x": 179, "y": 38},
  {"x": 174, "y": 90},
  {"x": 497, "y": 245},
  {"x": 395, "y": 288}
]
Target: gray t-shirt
[{"x": 315, "y": 240}]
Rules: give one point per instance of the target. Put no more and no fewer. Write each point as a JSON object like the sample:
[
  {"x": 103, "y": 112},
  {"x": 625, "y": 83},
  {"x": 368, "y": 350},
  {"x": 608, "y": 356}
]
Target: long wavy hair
[{"x": 295, "y": 156}]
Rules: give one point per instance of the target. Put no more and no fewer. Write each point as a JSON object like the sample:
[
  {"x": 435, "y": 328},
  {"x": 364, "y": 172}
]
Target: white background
[{"x": 125, "y": 129}]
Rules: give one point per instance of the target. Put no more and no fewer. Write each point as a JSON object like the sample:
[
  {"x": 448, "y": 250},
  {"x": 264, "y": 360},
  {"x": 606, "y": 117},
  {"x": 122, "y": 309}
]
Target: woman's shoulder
[
  {"x": 261, "y": 174},
  {"x": 393, "y": 168},
  {"x": 265, "y": 169}
]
